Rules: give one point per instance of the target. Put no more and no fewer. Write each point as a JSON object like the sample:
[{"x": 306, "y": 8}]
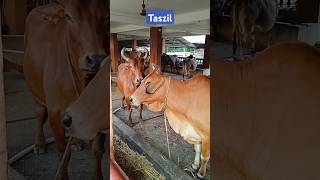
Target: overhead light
[{"x": 143, "y": 11}]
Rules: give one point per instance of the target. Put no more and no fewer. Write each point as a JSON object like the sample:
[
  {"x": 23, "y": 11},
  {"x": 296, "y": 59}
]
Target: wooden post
[
  {"x": 134, "y": 44},
  {"x": 3, "y": 125},
  {"x": 114, "y": 52},
  {"x": 206, "y": 58},
  {"x": 163, "y": 45},
  {"x": 15, "y": 15},
  {"x": 156, "y": 45}
]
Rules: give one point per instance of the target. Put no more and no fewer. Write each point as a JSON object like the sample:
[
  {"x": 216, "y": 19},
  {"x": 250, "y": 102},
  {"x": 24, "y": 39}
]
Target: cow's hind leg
[
  {"x": 205, "y": 156},
  {"x": 55, "y": 120},
  {"x": 42, "y": 114},
  {"x": 196, "y": 162},
  {"x": 98, "y": 150}
]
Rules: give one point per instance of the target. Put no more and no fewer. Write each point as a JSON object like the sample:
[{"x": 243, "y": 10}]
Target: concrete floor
[{"x": 21, "y": 126}]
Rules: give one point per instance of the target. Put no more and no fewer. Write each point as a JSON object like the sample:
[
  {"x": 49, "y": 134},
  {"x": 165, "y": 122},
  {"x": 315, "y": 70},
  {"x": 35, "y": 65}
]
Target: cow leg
[
  {"x": 122, "y": 102},
  {"x": 98, "y": 150},
  {"x": 205, "y": 156},
  {"x": 60, "y": 141},
  {"x": 234, "y": 43},
  {"x": 42, "y": 114},
  {"x": 253, "y": 44},
  {"x": 141, "y": 109},
  {"x": 196, "y": 163},
  {"x": 252, "y": 40},
  {"x": 130, "y": 112},
  {"x": 270, "y": 38}
]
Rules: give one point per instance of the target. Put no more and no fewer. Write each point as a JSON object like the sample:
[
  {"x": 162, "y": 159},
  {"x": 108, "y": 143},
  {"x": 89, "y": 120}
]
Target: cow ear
[{"x": 154, "y": 86}]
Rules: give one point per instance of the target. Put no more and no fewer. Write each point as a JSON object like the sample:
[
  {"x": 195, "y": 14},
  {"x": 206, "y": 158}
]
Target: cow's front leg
[
  {"x": 59, "y": 136},
  {"x": 196, "y": 163},
  {"x": 42, "y": 114},
  {"x": 141, "y": 109},
  {"x": 130, "y": 112},
  {"x": 98, "y": 150}
]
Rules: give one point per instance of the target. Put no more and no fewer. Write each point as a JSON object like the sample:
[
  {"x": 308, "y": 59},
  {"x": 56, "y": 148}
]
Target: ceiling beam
[{"x": 125, "y": 28}]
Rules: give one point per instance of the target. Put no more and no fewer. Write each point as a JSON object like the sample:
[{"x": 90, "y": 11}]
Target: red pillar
[
  {"x": 156, "y": 44},
  {"x": 134, "y": 44},
  {"x": 206, "y": 59},
  {"x": 114, "y": 52}
]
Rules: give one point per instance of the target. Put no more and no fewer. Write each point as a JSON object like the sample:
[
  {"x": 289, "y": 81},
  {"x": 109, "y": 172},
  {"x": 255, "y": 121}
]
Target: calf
[{"x": 187, "y": 107}]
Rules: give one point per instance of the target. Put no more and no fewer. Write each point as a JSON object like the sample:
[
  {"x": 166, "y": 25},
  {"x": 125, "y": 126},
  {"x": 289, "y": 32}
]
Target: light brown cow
[
  {"x": 129, "y": 78},
  {"x": 64, "y": 47},
  {"x": 88, "y": 115},
  {"x": 187, "y": 107},
  {"x": 266, "y": 120},
  {"x": 250, "y": 17}
]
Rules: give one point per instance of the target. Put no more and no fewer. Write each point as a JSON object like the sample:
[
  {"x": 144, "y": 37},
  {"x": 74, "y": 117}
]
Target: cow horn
[
  {"x": 123, "y": 56},
  {"x": 146, "y": 54}
]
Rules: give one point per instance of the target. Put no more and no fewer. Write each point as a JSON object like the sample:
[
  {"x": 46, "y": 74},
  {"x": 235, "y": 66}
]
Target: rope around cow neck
[{"x": 165, "y": 117}]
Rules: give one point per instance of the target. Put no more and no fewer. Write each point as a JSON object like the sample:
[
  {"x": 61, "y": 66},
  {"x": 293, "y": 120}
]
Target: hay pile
[{"x": 133, "y": 164}]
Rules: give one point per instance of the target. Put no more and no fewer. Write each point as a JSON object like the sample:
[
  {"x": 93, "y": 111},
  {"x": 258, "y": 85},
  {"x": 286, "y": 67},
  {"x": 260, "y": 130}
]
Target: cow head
[
  {"x": 151, "y": 91},
  {"x": 89, "y": 114},
  {"x": 86, "y": 28},
  {"x": 137, "y": 62}
]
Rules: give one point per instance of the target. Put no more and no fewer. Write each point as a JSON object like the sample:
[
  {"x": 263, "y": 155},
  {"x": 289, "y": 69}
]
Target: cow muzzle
[
  {"x": 67, "y": 121},
  {"x": 133, "y": 101}
]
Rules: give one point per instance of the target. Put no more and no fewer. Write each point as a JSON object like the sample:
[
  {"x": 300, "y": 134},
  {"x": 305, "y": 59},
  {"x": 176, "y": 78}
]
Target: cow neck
[{"x": 71, "y": 67}]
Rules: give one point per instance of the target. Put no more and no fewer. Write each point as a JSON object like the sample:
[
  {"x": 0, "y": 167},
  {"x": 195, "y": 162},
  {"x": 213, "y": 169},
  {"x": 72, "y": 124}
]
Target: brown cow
[
  {"x": 249, "y": 17},
  {"x": 130, "y": 75},
  {"x": 64, "y": 46},
  {"x": 266, "y": 120},
  {"x": 187, "y": 107}
]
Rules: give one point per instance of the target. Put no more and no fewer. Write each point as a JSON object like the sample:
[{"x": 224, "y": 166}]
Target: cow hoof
[
  {"x": 191, "y": 171},
  {"x": 198, "y": 178},
  {"x": 77, "y": 147},
  {"x": 39, "y": 149},
  {"x": 131, "y": 124}
]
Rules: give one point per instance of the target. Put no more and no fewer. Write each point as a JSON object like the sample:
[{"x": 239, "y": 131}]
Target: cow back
[{"x": 266, "y": 120}]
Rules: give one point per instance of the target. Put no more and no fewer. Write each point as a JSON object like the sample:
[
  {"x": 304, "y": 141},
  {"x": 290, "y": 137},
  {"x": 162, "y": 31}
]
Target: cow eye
[{"x": 148, "y": 83}]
